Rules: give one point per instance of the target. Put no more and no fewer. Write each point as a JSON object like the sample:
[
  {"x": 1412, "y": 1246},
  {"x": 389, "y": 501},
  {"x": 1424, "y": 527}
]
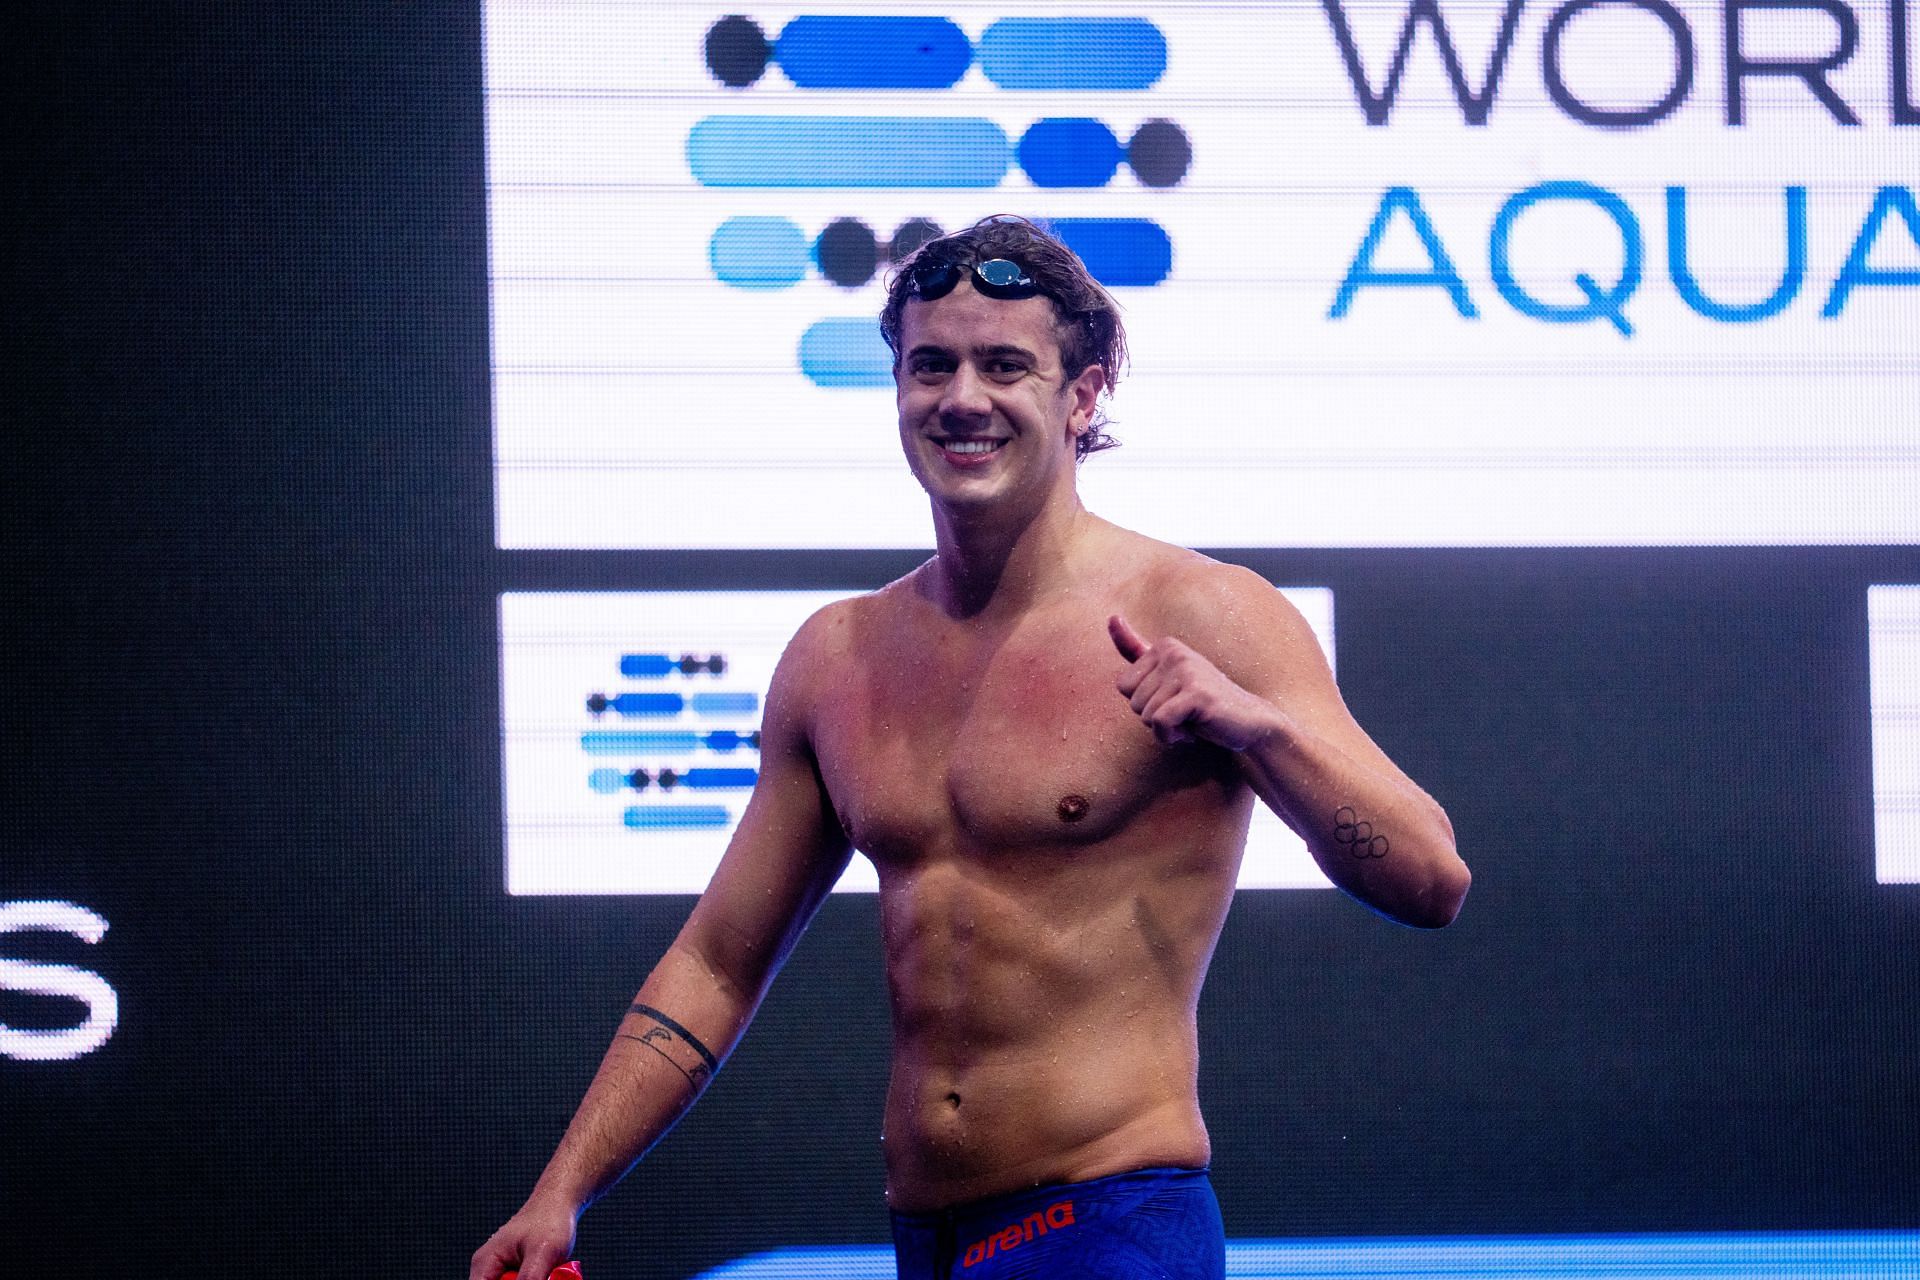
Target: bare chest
[{"x": 944, "y": 745}]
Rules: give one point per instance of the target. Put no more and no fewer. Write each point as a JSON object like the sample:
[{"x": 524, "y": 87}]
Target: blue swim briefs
[{"x": 1151, "y": 1224}]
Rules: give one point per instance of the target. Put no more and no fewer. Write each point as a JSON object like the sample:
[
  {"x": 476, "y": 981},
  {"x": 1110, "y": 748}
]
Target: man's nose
[{"x": 966, "y": 395}]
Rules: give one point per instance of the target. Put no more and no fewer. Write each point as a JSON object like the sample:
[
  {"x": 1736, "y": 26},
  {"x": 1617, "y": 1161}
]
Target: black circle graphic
[
  {"x": 910, "y": 235},
  {"x": 847, "y": 252},
  {"x": 737, "y": 51},
  {"x": 1159, "y": 153}
]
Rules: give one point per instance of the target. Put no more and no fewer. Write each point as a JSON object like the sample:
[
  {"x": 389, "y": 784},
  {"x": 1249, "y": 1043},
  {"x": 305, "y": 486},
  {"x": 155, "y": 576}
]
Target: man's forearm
[
  {"x": 1381, "y": 839},
  {"x": 681, "y": 1026}
]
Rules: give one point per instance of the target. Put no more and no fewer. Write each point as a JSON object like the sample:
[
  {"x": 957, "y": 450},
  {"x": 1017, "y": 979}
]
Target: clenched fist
[{"x": 535, "y": 1241}]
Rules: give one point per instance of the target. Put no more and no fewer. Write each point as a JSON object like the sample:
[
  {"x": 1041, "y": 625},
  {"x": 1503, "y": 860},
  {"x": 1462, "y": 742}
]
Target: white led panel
[
  {"x": 1582, "y": 294},
  {"x": 629, "y": 747}
]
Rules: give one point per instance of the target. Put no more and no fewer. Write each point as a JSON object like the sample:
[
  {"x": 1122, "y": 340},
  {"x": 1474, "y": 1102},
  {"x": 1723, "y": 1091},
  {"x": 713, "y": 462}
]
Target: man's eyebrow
[{"x": 997, "y": 350}]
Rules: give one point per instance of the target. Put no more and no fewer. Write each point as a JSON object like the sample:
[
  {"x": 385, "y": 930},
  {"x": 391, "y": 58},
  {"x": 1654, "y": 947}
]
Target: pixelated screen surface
[{"x": 1444, "y": 275}]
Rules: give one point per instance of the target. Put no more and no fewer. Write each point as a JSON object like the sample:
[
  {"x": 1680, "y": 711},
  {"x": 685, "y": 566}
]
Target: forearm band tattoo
[
  {"x": 676, "y": 1044},
  {"x": 1360, "y": 839}
]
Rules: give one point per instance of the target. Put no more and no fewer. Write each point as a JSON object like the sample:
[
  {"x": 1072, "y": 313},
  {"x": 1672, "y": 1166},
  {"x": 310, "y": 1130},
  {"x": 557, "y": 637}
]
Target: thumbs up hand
[{"x": 1182, "y": 696}]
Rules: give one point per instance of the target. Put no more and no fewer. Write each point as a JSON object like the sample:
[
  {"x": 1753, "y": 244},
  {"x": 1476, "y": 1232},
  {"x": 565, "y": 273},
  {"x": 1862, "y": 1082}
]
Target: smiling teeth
[{"x": 972, "y": 446}]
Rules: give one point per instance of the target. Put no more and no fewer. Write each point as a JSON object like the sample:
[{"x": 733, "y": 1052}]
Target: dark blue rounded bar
[
  {"x": 1124, "y": 252},
  {"x": 848, "y": 151},
  {"x": 1069, "y": 152},
  {"x": 710, "y": 779},
  {"x": 1073, "y": 53},
  {"x": 834, "y": 52},
  {"x": 647, "y": 704}
]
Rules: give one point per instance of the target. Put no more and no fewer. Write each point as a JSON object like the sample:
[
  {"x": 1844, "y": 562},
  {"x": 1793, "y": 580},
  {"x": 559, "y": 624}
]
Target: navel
[{"x": 1072, "y": 808}]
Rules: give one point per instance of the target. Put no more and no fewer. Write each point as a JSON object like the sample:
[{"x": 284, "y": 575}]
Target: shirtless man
[{"x": 1049, "y": 739}]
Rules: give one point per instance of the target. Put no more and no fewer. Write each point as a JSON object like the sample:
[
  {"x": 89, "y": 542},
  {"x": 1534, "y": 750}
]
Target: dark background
[{"x": 251, "y": 717}]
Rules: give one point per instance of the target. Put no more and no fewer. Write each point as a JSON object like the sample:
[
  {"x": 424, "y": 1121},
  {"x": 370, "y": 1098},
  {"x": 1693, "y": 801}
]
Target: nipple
[{"x": 1073, "y": 808}]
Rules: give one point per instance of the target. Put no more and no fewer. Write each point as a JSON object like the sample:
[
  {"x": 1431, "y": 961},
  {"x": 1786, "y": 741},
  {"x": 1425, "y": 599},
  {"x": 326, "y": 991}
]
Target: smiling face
[{"x": 987, "y": 414}]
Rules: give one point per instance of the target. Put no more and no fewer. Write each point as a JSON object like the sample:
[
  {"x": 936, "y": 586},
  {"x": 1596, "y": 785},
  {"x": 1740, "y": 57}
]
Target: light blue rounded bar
[
  {"x": 1073, "y": 53},
  {"x": 678, "y": 817},
  {"x": 846, "y": 352},
  {"x": 618, "y": 742},
  {"x": 726, "y": 702},
  {"x": 848, "y": 151},
  {"x": 758, "y": 253}
]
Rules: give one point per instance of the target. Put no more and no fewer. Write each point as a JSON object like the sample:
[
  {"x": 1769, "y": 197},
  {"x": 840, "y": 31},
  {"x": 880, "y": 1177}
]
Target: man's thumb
[{"x": 1125, "y": 638}]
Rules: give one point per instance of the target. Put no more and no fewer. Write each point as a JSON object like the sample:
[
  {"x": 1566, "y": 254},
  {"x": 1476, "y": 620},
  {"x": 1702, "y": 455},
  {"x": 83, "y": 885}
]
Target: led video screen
[{"x": 1470, "y": 274}]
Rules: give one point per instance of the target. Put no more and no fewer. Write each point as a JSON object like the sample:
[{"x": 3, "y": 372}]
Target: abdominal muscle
[{"x": 1043, "y": 1020}]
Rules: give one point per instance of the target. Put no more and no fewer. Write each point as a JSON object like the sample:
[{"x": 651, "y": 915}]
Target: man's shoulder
[
  {"x": 1227, "y": 611},
  {"x": 1196, "y": 590},
  {"x": 845, "y": 626}
]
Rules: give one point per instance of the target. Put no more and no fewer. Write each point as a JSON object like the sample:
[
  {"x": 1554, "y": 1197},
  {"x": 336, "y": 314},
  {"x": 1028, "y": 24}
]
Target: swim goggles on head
[{"x": 996, "y": 277}]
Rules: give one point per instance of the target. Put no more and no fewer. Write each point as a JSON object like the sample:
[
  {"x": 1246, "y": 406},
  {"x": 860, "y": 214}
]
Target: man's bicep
[
  {"x": 785, "y": 854},
  {"x": 1281, "y": 660}
]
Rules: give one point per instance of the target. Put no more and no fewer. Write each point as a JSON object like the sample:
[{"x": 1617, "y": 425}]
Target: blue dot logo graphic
[{"x": 924, "y": 54}]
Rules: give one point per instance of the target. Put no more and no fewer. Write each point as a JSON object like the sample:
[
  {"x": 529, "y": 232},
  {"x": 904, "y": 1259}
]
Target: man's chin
[{"x": 961, "y": 492}]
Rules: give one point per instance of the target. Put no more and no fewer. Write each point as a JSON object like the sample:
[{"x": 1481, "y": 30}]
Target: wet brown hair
[{"x": 1086, "y": 318}]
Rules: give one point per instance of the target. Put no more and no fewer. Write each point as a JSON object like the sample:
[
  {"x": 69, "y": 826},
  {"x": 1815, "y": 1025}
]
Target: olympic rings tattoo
[{"x": 1359, "y": 837}]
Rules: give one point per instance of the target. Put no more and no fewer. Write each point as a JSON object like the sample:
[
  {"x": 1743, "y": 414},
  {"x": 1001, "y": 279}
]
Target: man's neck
[{"x": 991, "y": 566}]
